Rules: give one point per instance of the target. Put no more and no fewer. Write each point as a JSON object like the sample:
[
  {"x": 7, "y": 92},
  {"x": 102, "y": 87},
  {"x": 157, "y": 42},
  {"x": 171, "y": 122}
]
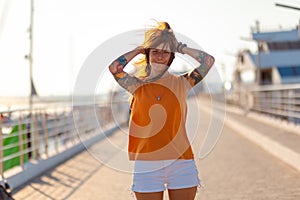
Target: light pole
[
  {"x": 30, "y": 57},
  {"x": 29, "y": 127}
]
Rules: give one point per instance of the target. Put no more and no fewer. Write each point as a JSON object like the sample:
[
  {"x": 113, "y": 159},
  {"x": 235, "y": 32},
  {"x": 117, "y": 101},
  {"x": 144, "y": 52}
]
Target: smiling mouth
[
  {"x": 160, "y": 62},
  {"x": 160, "y": 65}
]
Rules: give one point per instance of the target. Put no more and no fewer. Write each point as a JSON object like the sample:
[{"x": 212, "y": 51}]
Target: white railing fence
[
  {"x": 37, "y": 134},
  {"x": 280, "y": 101}
]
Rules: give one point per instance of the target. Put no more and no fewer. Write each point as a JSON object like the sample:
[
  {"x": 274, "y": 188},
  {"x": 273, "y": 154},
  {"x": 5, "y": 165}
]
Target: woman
[{"x": 158, "y": 141}]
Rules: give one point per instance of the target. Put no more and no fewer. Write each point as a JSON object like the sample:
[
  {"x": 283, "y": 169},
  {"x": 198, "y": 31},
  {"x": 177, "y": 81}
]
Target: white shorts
[{"x": 156, "y": 176}]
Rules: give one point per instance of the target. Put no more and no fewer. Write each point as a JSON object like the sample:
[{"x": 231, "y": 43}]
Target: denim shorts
[{"x": 156, "y": 176}]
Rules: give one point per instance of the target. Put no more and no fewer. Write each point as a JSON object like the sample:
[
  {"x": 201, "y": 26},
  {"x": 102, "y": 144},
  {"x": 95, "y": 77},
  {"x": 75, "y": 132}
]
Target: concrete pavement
[{"x": 237, "y": 168}]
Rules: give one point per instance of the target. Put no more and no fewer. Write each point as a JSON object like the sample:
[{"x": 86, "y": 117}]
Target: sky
[{"x": 67, "y": 31}]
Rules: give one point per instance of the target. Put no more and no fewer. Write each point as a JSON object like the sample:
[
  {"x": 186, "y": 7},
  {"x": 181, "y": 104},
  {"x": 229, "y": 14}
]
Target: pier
[{"x": 255, "y": 157}]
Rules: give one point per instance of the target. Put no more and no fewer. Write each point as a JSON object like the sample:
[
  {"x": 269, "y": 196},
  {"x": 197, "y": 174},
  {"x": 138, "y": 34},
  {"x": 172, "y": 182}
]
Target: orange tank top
[{"x": 157, "y": 122}]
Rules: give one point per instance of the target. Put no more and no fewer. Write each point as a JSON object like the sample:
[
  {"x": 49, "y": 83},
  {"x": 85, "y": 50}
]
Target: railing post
[
  {"x": 55, "y": 132},
  {"x": 72, "y": 131},
  {"x": 65, "y": 129},
  {"x": 35, "y": 140},
  {"x": 1, "y": 148},
  {"x": 283, "y": 101},
  {"x": 291, "y": 105},
  {"x": 45, "y": 132},
  {"x": 21, "y": 143}
]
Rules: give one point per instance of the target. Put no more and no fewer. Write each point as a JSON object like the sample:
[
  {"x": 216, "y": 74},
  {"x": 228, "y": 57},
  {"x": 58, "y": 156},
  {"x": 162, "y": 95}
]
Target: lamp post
[
  {"x": 29, "y": 56},
  {"x": 29, "y": 134}
]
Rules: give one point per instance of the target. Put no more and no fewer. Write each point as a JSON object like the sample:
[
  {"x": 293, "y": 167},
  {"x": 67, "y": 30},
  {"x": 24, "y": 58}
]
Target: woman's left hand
[{"x": 175, "y": 42}]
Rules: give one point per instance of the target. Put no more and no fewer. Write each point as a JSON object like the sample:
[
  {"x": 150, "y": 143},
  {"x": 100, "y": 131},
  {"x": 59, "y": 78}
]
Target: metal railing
[
  {"x": 281, "y": 101},
  {"x": 31, "y": 135}
]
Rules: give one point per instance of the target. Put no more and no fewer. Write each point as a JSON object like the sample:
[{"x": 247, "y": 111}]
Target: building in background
[
  {"x": 277, "y": 60},
  {"x": 268, "y": 81}
]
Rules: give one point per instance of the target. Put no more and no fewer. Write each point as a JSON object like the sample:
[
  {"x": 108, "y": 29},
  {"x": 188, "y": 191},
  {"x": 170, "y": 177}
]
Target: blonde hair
[{"x": 159, "y": 34}]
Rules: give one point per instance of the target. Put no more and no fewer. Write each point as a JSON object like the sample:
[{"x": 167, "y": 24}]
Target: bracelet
[
  {"x": 177, "y": 48},
  {"x": 180, "y": 47}
]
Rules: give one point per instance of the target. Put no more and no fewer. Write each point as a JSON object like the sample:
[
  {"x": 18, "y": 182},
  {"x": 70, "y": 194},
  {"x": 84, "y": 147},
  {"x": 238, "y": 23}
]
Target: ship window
[
  {"x": 284, "y": 45},
  {"x": 289, "y": 71},
  {"x": 266, "y": 76}
]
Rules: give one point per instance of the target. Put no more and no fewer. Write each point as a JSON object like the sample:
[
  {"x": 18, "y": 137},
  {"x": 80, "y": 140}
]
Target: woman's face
[{"x": 160, "y": 55}]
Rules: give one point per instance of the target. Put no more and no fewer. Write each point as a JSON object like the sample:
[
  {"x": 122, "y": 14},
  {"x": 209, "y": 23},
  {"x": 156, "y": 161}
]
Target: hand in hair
[{"x": 141, "y": 49}]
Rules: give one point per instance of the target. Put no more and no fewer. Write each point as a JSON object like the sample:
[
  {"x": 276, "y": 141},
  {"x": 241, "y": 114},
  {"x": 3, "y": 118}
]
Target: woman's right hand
[{"x": 141, "y": 50}]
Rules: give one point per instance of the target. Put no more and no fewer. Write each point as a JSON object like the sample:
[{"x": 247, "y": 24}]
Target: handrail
[
  {"x": 280, "y": 101},
  {"x": 31, "y": 135}
]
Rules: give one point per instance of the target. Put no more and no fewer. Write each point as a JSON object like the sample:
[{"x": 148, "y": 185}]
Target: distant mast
[{"x": 33, "y": 91}]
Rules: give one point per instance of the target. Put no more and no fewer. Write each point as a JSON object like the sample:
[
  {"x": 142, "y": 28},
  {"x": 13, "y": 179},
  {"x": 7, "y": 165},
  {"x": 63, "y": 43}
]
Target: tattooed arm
[
  {"x": 123, "y": 78},
  {"x": 206, "y": 62}
]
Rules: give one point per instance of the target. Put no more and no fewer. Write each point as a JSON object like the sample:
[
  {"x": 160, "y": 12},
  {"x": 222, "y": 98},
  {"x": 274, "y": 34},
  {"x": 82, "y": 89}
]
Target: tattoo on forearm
[
  {"x": 209, "y": 60},
  {"x": 128, "y": 81},
  {"x": 196, "y": 76},
  {"x": 122, "y": 60},
  {"x": 200, "y": 57},
  {"x": 206, "y": 62},
  {"x": 120, "y": 63},
  {"x": 118, "y": 76},
  {"x": 119, "y": 69},
  {"x": 205, "y": 59}
]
